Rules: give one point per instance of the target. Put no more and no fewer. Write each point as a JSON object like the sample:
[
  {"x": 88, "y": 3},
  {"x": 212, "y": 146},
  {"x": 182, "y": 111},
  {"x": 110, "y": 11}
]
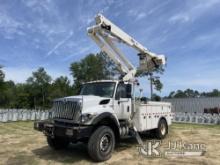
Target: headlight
[{"x": 86, "y": 117}]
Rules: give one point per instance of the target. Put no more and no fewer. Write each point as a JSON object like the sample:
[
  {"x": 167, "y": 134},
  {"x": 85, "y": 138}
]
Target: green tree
[
  {"x": 110, "y": 69},
  {"x": 188, "y": 93},
  {"x": 2, "y": 76},
  {"x": 8, "y": 95},
  {"x": 213, "y": 93},
  {"x": 93, "y": 67},
  {"x": 191, "y": 93},
  {"x": 154, "y": 80},
  {"x": 180, "y": 94},
  {"x": 61, "y": 87},
  {"x": 23, "y": 99},
  {"x": 171, "y": 95},
  {"x": 157, "y": 84},
  {"x": 156, "y": 97},
  {"x": 39, "y": 84}
]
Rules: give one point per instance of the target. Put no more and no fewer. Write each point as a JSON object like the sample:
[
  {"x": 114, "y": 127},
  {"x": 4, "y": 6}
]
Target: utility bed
[{"x": 148, "y": 115}]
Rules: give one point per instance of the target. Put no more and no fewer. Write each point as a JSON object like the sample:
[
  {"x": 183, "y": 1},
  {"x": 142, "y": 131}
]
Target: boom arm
[{"x": 105, "y": 34}]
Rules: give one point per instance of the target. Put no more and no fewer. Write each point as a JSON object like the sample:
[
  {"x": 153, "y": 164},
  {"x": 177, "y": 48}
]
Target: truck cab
[
  {"x": 95, "y": 98},
  {"x": 112, "y": 96}
]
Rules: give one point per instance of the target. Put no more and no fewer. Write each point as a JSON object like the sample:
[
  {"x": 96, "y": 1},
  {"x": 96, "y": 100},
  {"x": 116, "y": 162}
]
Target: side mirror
[{"x": 128, "y": 90}]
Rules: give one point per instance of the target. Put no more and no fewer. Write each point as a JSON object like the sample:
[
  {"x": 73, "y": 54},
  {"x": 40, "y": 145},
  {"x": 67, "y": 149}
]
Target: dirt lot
[{"x": 20, "y": 144}]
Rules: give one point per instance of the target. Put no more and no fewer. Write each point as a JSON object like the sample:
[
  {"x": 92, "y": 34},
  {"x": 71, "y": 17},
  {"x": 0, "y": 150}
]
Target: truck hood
[
  {"x": 69, "y": 107},
  {"x": 87, "y": 101}
]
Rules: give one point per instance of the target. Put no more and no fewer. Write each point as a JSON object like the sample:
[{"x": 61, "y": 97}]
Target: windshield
[{"x": 102, "y": 89}]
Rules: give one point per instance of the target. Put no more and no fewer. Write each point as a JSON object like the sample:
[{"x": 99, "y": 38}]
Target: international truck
[{"x": 106, "y": 111}]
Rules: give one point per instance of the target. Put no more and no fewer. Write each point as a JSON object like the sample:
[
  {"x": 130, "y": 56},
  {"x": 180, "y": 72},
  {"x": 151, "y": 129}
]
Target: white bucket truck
[{"x": 106, "y": 110}]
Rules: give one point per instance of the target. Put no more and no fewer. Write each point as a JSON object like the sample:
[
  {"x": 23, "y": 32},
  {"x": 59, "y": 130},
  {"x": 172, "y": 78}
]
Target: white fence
[
  {"x": 31, "y": 115},
  {"x": 197, "y": 118},
  {"x": 22, "y": 115}
]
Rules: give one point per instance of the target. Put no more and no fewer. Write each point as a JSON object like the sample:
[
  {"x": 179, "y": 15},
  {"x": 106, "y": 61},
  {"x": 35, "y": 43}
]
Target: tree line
[
  {"x": 190, "y": 93},
  {"x": 40, "y": 89}
]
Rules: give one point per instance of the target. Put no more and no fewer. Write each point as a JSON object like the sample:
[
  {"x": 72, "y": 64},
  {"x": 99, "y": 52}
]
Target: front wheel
[
  {"x": 162, "y": 129},
  {"x": 101, "y": 144}
]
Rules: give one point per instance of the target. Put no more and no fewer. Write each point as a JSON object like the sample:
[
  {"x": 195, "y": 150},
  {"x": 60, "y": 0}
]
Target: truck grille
[{"x": 69, "y": 110}]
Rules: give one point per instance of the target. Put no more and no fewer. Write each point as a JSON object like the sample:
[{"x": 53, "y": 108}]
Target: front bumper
[{"x": 74, "y": 132}]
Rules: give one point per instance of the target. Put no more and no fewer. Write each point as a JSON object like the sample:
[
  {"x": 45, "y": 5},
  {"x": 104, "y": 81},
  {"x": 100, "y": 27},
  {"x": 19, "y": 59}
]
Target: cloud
[
  {"x": 21, "y": 74},
  {"x": 206, "y": 41},
  {"x": 198, "y": 82},
  {"x": 59, "y": 44},
  {"x": 137, "y": 14},
  {"x": 157, "y": 7},
  {"x": 194, "y": 10},
  {"x": 9, "y": 26},
  {"x": 39, "y": 5},
  {"x": 141, "y": 16},
  {"x": 18, "y": 75},
  {"x": 179, "y": 18},
  {"x": 80, "y": 50},
  {"x": 210, "y": 37}
]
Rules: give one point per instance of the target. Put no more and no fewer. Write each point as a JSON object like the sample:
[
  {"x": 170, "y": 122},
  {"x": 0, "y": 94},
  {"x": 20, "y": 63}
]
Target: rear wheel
[
  {"x": 101, "y": 144},
  {"x": 57, "y": 143},
  {"x": 162, "y": 129}
]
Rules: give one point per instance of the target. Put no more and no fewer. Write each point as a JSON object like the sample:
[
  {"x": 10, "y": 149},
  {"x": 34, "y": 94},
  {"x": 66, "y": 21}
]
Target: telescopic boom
[{"x": 106, "y": 34}]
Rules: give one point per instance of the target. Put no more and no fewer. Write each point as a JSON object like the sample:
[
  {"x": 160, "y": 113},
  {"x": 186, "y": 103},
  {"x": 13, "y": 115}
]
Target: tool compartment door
[
  {"x": 142, "y": 118},
  {"x": 156, "y": 114},
  {"x": 148, "y": 115},
  {"x": 159, "y": 110}
]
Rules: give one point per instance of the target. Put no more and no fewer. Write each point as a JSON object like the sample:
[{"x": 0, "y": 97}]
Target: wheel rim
[
  {"x": 163, "y": 129},
  {"x": 105, "y": 143}
]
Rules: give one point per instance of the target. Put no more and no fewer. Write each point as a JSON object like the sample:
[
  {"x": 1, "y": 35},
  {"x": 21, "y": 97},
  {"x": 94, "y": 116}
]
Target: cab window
[{"x": 121, "y": 91}]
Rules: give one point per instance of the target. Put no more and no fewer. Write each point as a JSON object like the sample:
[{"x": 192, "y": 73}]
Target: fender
[
  {"x": 105, "y": 115},
  {"x": 109, "y": 119}
]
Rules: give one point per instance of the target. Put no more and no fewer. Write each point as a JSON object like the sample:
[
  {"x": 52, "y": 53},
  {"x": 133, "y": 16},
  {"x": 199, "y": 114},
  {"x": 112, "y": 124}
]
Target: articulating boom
[{"x": 105, "y": 34}]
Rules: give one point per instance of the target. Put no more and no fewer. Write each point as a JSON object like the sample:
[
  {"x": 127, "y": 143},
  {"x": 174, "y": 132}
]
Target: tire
[
  {"x": 57, "y": 143},
  {"x": 101, "y": 144},
  {"x": 162, "y": 129}
]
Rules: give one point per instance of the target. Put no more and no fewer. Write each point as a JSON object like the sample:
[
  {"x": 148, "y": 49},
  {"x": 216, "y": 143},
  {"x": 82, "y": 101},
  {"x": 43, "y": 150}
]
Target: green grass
[
  {"x": 20, "y": 127},
  {"x": 22, "y": 158},
  {"x": 23, "y": 151}
]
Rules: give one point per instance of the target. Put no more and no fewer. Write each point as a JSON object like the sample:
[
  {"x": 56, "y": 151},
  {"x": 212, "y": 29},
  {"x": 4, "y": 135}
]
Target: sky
[{"x": 52, "y": 34}]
